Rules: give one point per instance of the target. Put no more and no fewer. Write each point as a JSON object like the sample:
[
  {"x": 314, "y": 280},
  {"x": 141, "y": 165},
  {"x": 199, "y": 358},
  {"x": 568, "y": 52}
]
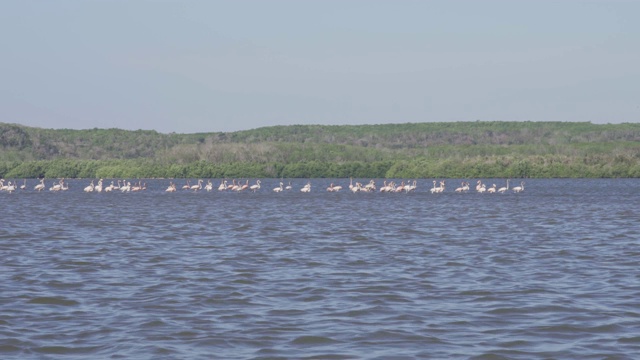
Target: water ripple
[{"x": 548, "y": 273}]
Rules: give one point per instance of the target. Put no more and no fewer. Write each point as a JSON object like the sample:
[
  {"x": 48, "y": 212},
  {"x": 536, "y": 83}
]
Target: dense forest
[{"x": 412, "y": 150}]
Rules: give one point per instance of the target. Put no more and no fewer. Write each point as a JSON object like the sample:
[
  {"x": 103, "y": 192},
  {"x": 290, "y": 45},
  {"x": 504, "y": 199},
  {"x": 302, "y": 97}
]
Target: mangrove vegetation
[{"x": 412, "y": 150}]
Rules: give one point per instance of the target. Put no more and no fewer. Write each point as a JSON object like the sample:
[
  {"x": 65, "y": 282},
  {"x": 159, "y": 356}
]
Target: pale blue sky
[{"x": 205, "y": 66}]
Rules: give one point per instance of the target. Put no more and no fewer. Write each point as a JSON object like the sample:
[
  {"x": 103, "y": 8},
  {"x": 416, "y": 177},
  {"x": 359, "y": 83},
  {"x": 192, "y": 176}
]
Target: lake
[{"x": 550, "y": 272}]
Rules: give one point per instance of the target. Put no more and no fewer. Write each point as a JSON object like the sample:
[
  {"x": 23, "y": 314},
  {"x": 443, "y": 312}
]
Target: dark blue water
[{"x": 551, "y": 272}]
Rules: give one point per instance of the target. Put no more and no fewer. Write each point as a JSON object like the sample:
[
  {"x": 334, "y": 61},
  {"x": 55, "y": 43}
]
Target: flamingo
[
  {"x": 288, "y": 187},
  {"x": 171, "y": 187},
  {"x": 234, "y": 186},
  {"x": 40, "y": 186},
  {"x": 11, "y": 187},
  {"x": 411, "y": 187},
  {"x": 461, "y": 188},
  {"x": 209, "y": 186},
  {"x": 371, "y": 185},
  {"x": 492, "y": 189},
  {"x": 503, "y": 189},
  {"x": 389, "y": 187},
  {"x": 245, "y": 186},
  {"x": 482, "y": 189},
  {"x": 356, "y": 188},
  {"x": 434, "y": 189},
  {"x": 438, "y": 189},
  {"x": 110, "y": 187},
  {"x": 98, "y": 188},
  {"x": 186, "y": 186},
  {"x": 332, "y": 188},
  {"x": 223, "y": 185},
  {"x": 89, "y": 188},
  {"x": 306, "y": 188},
  {"x": 56, "y": 187},
  {"x": 137, "y": 187},
  {"x": 520, "y": 188},
  {"x": 383, "y": 188},
  {"x": 24, "y": 185},
  {"x": 279, "y": 188},
  {"x": 255, "y": 187},
  {"x": 195, "y": 188}
]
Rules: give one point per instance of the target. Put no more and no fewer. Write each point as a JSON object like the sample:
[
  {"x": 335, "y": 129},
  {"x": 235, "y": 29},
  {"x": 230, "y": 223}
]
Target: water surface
[{"x": 552, "y": 272}]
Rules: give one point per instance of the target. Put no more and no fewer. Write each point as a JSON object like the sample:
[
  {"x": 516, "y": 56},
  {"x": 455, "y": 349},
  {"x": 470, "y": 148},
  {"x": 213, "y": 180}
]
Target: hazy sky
[{"x": 204, "y": 66}]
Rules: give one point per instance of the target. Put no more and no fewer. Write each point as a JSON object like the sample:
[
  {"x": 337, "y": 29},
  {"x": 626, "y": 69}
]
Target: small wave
[
  {"x": 62, "y": 350},
  {"x": 490, "y": 356},
  {"x": 53, "y": 301},
  {"x": 310, "y": 340},
  {"x": 154, "y": 323},
  {"x": 9, "y": 348},
  {"x": 630, "y": 340}
]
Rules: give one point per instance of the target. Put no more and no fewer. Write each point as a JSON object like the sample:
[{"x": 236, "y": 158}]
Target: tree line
[{"x": 424, "y": 150}]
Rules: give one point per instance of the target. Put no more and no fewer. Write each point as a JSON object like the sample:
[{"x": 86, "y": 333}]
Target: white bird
[
  {"x": 171, "y": 188},
  {"x": 255, "y": 187},
  {"x": 56, "y": 187},
  {"x": 411, "y": 186},
  {"x": 279, "y": 188},
  {"x": 98, "y": 188},
  {"x": 520, "y": 188},
  {"x": 90, "y": 187},
  {"x": 24, "y": 185},
  {"x": 126, "y": 187},
  {"x": 355, "y": 188},
  {"x": 383, "y": 188},
  {"x": 11, "y": 187},
  {"x": 503, "y": 189},
  {"x": 209, "y": 186},
  {"x": 40, "y": 186},
  {"x": 332, "y": 188},
  {"x": 306, "y": 188},
  {"x": 223, "y": 185},
  {"x": 288, "y": 187},
  {"x": 463, "y": 187},
  {"x": 197, "y": 187},
  {"x": 434, "y": 189},
  {"x": 371, "y": 186}
]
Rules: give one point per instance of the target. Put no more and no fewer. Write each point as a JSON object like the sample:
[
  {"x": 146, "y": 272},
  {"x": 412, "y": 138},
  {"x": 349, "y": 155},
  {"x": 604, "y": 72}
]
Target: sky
[{"x": 209, "y": 66}]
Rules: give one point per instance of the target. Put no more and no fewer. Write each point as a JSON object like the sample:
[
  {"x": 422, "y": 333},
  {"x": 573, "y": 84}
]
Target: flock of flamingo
[{"x": 239, "y": 186}]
